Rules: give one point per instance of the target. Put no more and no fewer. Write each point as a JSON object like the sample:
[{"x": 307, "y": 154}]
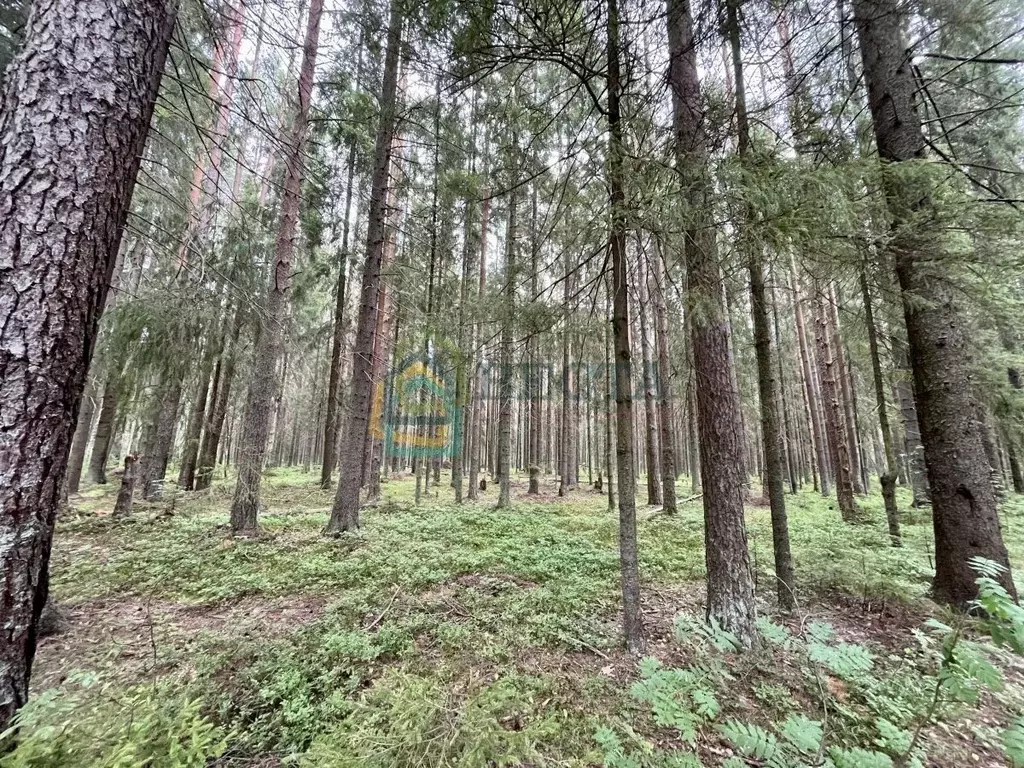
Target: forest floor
[{"x": 444, "y": 635}]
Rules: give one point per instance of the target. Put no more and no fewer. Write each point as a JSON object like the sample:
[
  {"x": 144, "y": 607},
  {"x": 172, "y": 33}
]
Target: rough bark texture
[
  {"x": 263, "y": 385},
  {"x": 963, "y": 503},
  {"x": 75, "y": 115},
  {"x": 345, "y": 511},
  {"x": 730, "y": 583},
  {"x": 832, "y": 409},
  {"x": 629, "y": 567}
]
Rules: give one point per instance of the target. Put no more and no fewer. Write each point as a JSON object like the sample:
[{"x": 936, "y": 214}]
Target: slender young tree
[
  {"x": 269, "y": 346},
  {"x": 75, "y": 116},
  {"x": 345, "y": 511},
  {"x": 760, "y": 309},
  {"x": 629, "y": 566}
]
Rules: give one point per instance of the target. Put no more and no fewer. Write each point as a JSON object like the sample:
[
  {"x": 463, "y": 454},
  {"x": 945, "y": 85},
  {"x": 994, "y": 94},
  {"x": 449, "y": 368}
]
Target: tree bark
[
  {"x": 832, "y": 408},
  {"x": 964, "y": 510},
  {"x": 263, "y": 385},
  {"x": 345, "y": 511},
  {"x": 653, "y": 450},
  {"x": 476, "y": 417},
  {"x": 125, "y": 493},
  {"x": 76, "y": 111},
  {"x": 629, "y": 566},
  {"x": 666, "y": 415},
  {"x": 760, "y": 309},
  {"x": 80, "y": 441},
  {"x": 888, "y": 478},
  {"x": 105, "y": 428},
  {"x": 505, "y": 374},
  {"x": 729, "y": 581}
]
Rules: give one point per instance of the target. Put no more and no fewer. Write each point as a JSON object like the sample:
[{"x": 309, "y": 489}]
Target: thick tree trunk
[
  {"x": 964, "y": 510},
  {"x": 345, "y": 511},
  {"x": 74, "y": 121},
  {"x": 255, "y": 426},
  {"x": 629, "y": 566},
  {"x": 730, "y": 582}
]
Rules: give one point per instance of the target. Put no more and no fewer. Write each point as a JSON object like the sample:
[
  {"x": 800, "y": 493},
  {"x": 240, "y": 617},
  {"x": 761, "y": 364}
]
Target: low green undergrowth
[{"x": 454, "y": 636}]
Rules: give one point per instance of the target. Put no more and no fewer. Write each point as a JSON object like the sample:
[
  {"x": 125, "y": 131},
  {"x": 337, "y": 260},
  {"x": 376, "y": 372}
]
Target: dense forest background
[{"x": 522, "y": 382}]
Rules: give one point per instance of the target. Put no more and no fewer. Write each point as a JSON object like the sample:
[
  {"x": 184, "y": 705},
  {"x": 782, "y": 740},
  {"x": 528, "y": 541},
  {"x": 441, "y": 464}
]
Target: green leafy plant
[{"x": 92, "y": 724}]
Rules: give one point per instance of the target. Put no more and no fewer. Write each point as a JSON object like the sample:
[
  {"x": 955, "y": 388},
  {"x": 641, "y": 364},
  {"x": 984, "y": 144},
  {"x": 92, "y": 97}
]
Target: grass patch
[{"x": 447, "y": 635}]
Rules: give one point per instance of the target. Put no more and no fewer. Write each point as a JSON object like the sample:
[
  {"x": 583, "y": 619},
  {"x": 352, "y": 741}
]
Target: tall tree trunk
[
  {"x": 255, "y": 426},
  {"x": 609, "y": 414},
  {"x": 653, "y": 451},
  {"x": 505, "y": 373},
  {"x": 849, "y": 397},
  {"x": 964, "y": 510},
  {"x": 629, "y": 567},
  {"x": 80, "y": 441},
  {"x": 888, "y": 478},
  {"x": 345, "y": 511},
  {"x": 666, "y": 415},
  {"x": 105, "y": 427},
  {"x": 337, "y": 339},
  {"x": 476, "y": 418},
  {"x": 913, "y": 449},
  {"x": 768, "y": 395},
  {"x": 194, "y": 430},
  {"x": 832, "y": 407},
  {"x": 218, "y": 405},
  {"x": 75, "y": 115},
  {"x": 730, "y": 582},
  {"x": 820, "y": 450},
  {"x": 159, "y": 438}
]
